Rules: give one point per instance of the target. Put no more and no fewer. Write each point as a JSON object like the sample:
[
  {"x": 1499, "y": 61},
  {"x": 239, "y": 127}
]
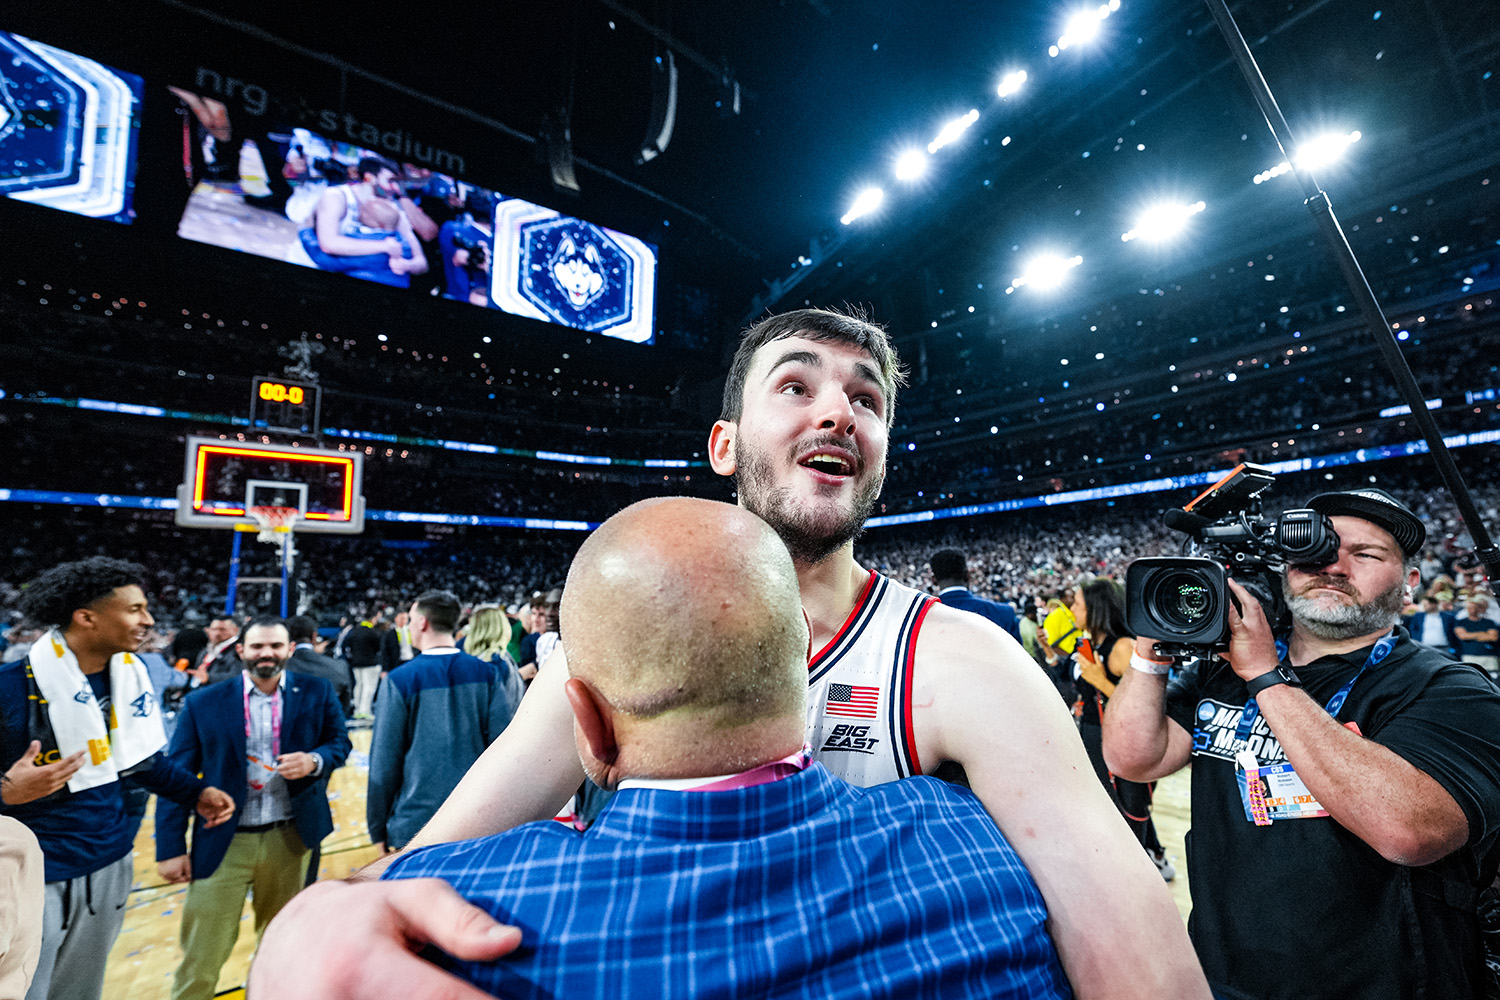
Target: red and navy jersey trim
[
  {"x": 876, "y": 587},
  {"x": 904, "y": 739}
]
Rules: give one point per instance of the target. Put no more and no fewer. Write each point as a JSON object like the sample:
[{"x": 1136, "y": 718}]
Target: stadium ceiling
[{"x": 786, "y": 109}]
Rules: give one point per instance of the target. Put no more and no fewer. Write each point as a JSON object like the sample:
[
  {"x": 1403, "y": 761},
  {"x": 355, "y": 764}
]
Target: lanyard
[
  {"x": 1380, "y": 652},
  {"x": 275, "y": 718}
]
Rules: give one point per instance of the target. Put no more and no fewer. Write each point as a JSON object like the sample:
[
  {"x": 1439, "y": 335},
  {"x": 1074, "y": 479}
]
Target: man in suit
[
  {"x": 950, "y": 571},
  {"x": 307, "y": 660},
  {"x": 218, "y": 660},
  {"x": 270, "y": 740},
  {"x": 395, "y": 644},
  {"x": 1434, "y": 627}
]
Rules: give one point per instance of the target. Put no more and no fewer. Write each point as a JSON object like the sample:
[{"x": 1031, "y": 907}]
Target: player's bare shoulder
[{"x": 952, "y": 639}]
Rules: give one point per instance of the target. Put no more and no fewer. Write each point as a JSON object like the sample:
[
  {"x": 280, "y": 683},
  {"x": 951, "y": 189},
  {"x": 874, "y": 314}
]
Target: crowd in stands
[{"x": 1016, "y": 556}]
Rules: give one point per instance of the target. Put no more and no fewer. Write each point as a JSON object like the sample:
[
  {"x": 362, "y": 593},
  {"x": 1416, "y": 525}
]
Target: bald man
[{"x": 727, "y": 863}]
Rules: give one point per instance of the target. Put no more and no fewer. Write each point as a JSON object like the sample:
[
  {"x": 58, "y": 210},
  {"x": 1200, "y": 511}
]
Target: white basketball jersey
[{"x": 859, "y": 687}]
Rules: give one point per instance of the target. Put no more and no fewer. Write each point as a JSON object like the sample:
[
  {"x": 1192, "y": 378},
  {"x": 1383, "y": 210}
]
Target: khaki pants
[{"x": 273, "y": 865}]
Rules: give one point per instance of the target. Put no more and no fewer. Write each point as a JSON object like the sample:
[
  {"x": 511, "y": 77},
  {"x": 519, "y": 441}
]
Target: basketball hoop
[{"x": 275, "y": 522}]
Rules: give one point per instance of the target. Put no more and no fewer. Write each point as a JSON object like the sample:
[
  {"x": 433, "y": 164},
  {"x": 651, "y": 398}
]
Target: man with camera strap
[{"x": 1346, "y": 781}]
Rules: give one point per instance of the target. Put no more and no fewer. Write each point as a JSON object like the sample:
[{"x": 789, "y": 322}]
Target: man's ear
[
  {"x": 595, "y": 720},
  {"x": 82, "y": 618},
  {"x": 721, "y": 447}
]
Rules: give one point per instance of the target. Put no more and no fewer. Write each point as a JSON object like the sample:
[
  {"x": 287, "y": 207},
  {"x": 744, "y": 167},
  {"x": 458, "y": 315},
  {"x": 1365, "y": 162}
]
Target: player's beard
[
  {"x": 811, "y": 533},
  {"x": 1345, "y": 621}
]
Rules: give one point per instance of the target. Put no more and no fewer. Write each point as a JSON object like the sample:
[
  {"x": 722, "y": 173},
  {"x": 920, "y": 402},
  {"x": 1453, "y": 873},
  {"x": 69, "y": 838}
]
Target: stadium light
[
  {"x": 1011, "y": 83},
  {"x": 1045, "y": 271},
  {"x": 1162, "y": 222},
  {"x": 911, "y": 164},
  {"x": 865, "y": 202},
  {"x": 953, "y": 130},
  {"x": 1314, "y": 154},
  {"x": 1082, "y": 27}
]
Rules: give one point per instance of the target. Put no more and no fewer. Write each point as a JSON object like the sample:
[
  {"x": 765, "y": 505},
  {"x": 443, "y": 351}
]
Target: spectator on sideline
[
  {"x": 437, "y": 713},
  {"x": 1478, "y": 636},
  {"x": 362, "y": 650},
  {"x": 289, "y": 730},
  {"x": 77, "y": 716},
  {"x": 1434, "y": 627},
  {"x": 950, "y": 572}
]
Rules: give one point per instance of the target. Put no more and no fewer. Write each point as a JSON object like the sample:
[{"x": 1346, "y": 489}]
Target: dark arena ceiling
[{"x": 786, "y": 110}]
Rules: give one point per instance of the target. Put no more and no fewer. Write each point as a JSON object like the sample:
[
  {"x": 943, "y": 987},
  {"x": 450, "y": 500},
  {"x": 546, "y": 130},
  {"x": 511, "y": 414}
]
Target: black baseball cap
[{"x": 1377, "y": 507}]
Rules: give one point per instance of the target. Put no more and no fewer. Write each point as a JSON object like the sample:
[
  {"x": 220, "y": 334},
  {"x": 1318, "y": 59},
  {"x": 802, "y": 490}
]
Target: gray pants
[{"x": 80, "y": 921}]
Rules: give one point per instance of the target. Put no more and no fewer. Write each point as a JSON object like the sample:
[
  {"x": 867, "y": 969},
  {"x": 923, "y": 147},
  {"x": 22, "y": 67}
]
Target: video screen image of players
[
  {"x": 68, "y": 130},
  {"x": 294, "y": 195}
]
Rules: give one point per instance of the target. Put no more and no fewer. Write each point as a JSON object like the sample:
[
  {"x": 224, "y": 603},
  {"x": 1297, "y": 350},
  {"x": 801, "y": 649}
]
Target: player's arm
[
  {"x": 326, "y": 219},
  {"x": 979, "y": 700},
  {"x": 1140, "y": 742},
  {"x": 416, "y": 262},
  {"x": 526, "y": 774},
  {"x": 1376, "y": 794},
  {"x": 421, "y": 222}
]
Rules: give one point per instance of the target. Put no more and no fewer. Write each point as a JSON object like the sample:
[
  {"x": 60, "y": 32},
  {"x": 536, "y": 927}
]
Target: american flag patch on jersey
[{"x": 852, "y": 700}]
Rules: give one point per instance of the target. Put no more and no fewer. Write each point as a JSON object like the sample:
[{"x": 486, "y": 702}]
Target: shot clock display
[{"x": 279, "y": 404}]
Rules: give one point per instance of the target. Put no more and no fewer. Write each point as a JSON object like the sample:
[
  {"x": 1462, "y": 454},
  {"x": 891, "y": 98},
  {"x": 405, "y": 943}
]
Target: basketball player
[{"x": 901, "y": 685}]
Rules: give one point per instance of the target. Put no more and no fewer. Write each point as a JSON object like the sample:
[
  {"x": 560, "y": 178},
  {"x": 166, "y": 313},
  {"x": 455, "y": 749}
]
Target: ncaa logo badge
[
  {"x": 84, "y": 695},
  {"x": 143, "y": 705},
  {"x": 1205, "y": 711}
]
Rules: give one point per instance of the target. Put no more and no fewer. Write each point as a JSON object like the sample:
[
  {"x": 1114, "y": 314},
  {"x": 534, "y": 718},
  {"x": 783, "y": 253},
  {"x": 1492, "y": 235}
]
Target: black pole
[{"x": 1322, "y": 209}]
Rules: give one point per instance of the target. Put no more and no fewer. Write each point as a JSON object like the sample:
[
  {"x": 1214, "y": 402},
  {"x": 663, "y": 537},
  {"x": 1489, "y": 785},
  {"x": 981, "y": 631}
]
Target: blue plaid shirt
[{"x": 804, "y": 887}]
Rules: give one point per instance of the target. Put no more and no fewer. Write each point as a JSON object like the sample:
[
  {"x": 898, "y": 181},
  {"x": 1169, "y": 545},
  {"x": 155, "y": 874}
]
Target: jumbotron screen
[
  {"x": 69, "y": 129},
  {"x": 295, "y": 195}
]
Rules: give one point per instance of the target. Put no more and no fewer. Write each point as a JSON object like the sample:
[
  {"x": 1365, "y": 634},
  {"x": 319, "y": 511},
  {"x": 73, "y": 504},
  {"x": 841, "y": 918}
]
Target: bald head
[{"x": 687, "y": 606}]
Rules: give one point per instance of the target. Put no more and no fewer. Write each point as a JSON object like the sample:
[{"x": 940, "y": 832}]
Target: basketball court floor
[{"x": 147, "y": 953}]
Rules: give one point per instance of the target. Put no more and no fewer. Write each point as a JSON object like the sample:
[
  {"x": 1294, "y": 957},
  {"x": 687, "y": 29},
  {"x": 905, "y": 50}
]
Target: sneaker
[{"x": 1163, "y": 865}]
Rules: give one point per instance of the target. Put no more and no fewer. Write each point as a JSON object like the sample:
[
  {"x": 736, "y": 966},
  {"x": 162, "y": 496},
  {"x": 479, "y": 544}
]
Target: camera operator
[{"x": 1378, "y": 803}]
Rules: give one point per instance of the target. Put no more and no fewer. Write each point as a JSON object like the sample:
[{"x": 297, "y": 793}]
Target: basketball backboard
[{"x": 221, "y": 479}]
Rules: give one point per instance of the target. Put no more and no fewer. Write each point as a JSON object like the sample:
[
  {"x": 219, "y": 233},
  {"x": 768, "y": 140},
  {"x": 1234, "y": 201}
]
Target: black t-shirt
[{"x": 1304, "y": 908}]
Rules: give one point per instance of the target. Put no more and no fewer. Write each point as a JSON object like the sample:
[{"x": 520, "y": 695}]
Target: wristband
[{"x": 1146, "y": 666}]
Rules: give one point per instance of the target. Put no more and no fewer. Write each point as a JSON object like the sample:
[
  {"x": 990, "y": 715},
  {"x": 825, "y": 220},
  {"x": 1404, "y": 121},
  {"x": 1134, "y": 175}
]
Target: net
[{"x": 275, "y": 522}]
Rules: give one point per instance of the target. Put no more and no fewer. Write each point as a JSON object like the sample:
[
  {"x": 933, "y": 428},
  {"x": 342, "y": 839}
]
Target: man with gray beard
[{"x": 1345, "y": 785}]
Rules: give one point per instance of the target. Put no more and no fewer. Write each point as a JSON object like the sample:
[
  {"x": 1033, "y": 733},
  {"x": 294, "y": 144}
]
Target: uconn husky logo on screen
[{"x": 576, "y": 274}]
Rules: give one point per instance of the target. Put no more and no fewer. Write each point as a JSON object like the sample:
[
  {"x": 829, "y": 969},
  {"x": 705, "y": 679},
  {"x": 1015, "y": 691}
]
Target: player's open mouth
[{"x": 828, "y": 463}]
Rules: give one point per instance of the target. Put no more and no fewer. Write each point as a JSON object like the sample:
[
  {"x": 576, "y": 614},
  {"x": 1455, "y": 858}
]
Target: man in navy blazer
[
  {"x": 1433, "y": 627},
  {"x": 950, "y": 571},
  {"x": 270, "y": 739}
]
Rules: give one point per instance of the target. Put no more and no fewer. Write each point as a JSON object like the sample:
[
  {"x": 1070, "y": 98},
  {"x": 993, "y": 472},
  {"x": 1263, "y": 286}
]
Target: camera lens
[{"x": 1183, "y": 600}]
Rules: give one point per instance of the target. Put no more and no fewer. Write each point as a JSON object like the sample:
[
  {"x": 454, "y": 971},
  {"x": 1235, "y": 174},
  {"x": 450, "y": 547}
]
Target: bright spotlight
[
  {"x": 865, "y": 202},
  {"x": 911, "y": 164},
  {"x": 1011, "y": 83},
  {"x": 1046, "y": 271},
  {"x": 1314, "y": 154},
  {"x": 1083, "y": 27},
  {"x": 1162, "y": 222},
  {"x": 953, "y": 130}
]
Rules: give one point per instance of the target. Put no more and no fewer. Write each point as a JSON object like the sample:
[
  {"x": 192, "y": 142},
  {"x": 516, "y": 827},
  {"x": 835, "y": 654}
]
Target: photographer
[{"x": 1376, "y": 799}]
